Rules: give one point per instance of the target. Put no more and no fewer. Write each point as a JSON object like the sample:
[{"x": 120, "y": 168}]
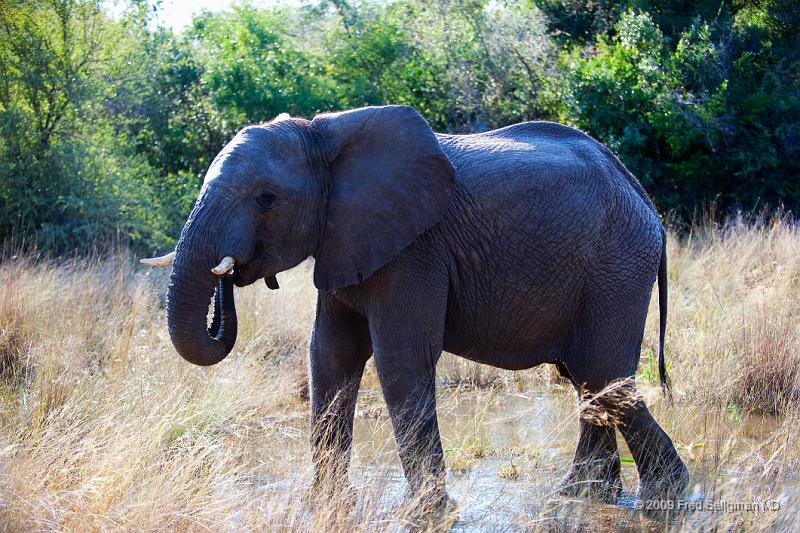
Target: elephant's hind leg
[
  {"x": 605, "y": 351},
  {"x": 595, "y": 469},
  {"x": 662, "y": 473}
]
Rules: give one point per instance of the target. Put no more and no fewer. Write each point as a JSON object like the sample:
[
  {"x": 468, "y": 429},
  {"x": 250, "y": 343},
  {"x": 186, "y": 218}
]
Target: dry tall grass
[
  {"x": 104, "y": 427},
  {"x": 734, "y": 329}
]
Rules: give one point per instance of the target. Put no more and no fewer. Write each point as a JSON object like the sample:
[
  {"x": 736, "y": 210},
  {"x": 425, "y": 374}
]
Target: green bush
[
  {"x": 70, "y": 177},
  {"x": 706, "y": 120}
]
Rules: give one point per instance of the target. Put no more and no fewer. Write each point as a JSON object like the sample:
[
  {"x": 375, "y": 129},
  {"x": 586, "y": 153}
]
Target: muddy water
[{"x": 506, "y": 453}]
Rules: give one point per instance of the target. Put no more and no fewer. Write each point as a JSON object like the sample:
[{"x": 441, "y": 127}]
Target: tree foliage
[
  {"x": 711, "y": 118},
  {"x": 108, "y": 123}
]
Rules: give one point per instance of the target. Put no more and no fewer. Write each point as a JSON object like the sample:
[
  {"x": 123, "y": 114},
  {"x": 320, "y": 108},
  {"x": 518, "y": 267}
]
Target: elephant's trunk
[{"x": 190, "y": 292}]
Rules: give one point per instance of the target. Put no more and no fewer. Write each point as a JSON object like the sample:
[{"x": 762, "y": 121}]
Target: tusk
[
  {"x": 224, "y": 266},
  {"x": 163, "y": 261}
]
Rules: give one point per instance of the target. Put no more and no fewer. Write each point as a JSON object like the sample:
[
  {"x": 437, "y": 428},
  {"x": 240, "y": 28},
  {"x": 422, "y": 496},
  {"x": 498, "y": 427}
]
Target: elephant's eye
[{"x": 265, "y": 200}]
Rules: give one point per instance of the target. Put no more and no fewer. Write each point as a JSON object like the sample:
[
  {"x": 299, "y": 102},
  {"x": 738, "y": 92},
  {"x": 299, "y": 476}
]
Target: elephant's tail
[{"x": 662, "y": 315}]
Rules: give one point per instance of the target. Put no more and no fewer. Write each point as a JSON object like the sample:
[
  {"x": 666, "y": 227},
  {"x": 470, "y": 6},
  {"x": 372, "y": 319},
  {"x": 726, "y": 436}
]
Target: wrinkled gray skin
[{"x": 516, "y": 247}]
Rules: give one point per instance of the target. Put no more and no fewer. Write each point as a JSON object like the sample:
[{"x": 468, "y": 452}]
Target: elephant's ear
[{"x": 390, "y": 182}]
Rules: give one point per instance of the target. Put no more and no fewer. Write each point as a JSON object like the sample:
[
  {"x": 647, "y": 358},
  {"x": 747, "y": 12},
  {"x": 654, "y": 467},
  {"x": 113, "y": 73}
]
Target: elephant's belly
[
  {"x": 509, "y": 341},
  {"x": 508, "y": 360}
]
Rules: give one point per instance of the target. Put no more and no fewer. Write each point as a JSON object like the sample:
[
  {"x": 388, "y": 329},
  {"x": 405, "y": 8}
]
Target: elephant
[{"x": 515, "y": 247}]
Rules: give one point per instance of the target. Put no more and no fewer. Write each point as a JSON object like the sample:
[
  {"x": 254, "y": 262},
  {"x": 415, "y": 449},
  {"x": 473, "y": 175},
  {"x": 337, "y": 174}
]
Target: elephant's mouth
[{"x": 244, "y": 274}]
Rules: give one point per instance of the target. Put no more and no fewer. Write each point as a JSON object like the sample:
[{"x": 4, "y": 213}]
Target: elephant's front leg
[
  {"x": 340, "y": 347},
  {"x": 407, "y": 377}
]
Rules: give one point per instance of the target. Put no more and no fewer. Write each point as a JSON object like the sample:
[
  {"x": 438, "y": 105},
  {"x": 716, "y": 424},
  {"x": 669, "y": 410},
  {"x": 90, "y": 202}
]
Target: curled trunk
[{"x": 189, "y": 295}]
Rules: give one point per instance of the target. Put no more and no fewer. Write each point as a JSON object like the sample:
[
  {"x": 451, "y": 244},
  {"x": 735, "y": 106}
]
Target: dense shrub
[
  {"x": 69, "y": 173},
  {"x": 712, "y": 118}
]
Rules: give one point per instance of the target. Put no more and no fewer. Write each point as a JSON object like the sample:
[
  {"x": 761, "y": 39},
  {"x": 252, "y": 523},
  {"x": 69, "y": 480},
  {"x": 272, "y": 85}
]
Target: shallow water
[
  {"x": 536, "y": 431},
  {"x": 507, "y": 451}
]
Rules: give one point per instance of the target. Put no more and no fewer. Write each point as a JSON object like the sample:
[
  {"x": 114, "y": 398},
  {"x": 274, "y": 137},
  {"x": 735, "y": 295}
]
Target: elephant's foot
[
  {"x": 667, "y": 482},
  {"x": 322, "y": 495},
  {"x": 432, "y": 510},
  {"x": 601, "y": 483}
]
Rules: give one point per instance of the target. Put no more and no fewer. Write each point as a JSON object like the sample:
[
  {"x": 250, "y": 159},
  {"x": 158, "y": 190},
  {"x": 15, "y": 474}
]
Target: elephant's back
[{"x": 546, "y": 164}]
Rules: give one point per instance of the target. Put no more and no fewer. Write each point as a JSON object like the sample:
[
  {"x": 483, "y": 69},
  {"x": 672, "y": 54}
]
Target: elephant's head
[{"x": 351, "y": 189}]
